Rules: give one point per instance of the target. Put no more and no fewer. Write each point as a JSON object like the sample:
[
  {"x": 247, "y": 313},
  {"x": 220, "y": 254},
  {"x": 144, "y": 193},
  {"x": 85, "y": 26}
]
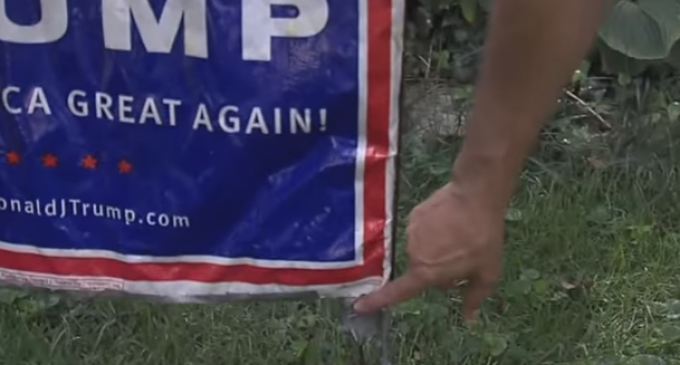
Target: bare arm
[
  {"x": 532, "y": 49},
  {"x": 533, "y": 46}
]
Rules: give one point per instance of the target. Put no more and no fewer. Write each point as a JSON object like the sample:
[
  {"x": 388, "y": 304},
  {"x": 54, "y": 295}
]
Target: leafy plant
[
  {"x": 643, "y": 29},
  {"x": 636, "y": 35}
]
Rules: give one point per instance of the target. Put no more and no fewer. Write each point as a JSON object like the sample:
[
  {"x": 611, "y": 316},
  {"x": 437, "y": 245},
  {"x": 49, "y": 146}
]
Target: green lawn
[{"x": 592, "y": 277}]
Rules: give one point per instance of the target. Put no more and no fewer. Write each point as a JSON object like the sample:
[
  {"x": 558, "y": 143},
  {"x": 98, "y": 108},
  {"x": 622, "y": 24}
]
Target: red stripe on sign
[
  {"x": 375, "y": 199},
  {"x": 377, "y": 149},
  {"x": 208, "y": 273}
]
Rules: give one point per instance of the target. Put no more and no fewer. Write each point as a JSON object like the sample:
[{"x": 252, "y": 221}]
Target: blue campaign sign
[{"x": 184, "y": 148}]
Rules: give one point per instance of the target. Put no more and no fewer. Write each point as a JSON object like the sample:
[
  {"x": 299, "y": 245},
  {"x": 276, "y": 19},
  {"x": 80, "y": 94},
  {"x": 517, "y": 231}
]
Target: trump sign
[{"x": 198, "y": 148}]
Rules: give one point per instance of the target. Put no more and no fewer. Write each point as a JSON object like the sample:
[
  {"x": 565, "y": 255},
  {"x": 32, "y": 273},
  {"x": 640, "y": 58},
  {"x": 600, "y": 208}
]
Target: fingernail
[{"x": 359, "y": 306}]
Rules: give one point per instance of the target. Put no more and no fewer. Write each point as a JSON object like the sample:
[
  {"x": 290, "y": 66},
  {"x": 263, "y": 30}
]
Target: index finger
[{"x": 394, "y": 292}]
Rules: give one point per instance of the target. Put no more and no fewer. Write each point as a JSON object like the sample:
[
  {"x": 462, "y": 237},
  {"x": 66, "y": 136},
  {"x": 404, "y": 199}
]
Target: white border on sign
[
  {"x": 397, "y": 49},
  {"x": 180, "y": 290},
  {"x": 139, "y": 259},
  {"x": 359, "y": 175}
]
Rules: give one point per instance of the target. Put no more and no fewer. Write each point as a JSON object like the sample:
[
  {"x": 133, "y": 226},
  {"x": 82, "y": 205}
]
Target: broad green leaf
[
  {"x": 530, "y": 274},
  {"x": 668, "y": 333},
  {"x": 645, "y": 360},
  {"x": 299, "y": 348},
  {"x": 496, "y": 344},
  {"x": 673, "y": 58},
  {"x": 667, "y": 14},
  {"x": 443, "y": 58},
  {"x": 606, "y": 360},
  {"x": 463, "y": 92},
  {"x": 646, "y": 29},
  {"x": 615, "y": 62},
  {"x": 541, "y": 288},
  {"x": 469, "y": 9},
  {"x": 519, "y": 287},
  {"x": 669, "y": 309}
]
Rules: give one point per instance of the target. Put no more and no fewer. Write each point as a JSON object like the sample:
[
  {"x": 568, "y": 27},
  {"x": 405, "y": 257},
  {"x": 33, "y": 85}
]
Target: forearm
[{"x": 532, "y": 49}]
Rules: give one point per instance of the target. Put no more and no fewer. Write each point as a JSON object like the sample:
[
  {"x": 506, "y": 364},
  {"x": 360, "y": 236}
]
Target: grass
[{"x": 591, "y": 277}]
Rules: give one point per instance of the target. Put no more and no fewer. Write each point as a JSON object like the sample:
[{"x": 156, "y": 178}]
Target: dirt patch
[{"x": 434, "y": 109}]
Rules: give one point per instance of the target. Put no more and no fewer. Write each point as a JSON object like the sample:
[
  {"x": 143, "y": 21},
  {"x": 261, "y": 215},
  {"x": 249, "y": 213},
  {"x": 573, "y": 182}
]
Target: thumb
[
  {"x": 473, "y": 298},
  {"x": 394, "y": 292}
]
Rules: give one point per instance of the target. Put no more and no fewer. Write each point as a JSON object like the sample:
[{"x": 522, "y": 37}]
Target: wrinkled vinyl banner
[{"x": 198, "y": 148}]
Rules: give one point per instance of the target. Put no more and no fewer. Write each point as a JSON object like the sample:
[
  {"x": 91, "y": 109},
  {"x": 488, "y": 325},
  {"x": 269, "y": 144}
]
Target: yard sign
[{"x": 198, "y": 148}]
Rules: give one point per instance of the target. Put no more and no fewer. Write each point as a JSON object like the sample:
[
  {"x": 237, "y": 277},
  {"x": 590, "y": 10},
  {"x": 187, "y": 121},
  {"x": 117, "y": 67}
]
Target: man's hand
[
  {"x": 450, "y": 238},
  {"x": 532, "y": 49}
]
